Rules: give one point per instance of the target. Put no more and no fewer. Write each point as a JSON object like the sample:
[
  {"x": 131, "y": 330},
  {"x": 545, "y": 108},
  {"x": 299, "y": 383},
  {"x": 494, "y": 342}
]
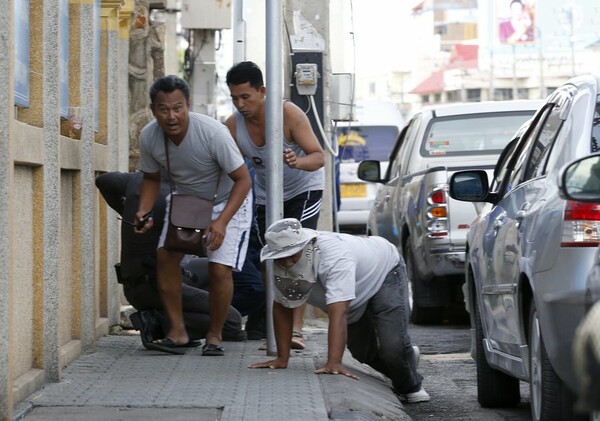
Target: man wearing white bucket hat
[{"x": 361, "y": 283}]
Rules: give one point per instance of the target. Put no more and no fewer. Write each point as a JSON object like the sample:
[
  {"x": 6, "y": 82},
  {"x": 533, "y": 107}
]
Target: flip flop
[
  {"x": 297, "y": 341},
  {"x": 213, "y": 350},
  {"x": 193, "y": 343},
  {"x": 166, "y": 345}
]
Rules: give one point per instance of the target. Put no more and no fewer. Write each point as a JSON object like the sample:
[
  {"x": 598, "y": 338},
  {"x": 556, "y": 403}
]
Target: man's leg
[
  {"x": 168, "y": 274},
  {"x": 221, "y": 291},
  {"x": 389, "y": 312}
]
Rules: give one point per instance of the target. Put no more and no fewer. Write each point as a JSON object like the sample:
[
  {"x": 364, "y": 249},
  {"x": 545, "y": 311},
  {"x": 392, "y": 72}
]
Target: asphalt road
[{"x": 450, "y": 378}]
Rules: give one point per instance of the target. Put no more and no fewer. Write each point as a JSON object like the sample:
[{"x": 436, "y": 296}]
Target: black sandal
[{"x": 213, "y": 350}]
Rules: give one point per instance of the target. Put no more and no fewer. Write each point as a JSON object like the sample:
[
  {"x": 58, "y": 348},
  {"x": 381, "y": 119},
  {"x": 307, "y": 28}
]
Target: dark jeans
[
  {"x": 380, "y": 337},
  {"x": 196, "y": 316}
]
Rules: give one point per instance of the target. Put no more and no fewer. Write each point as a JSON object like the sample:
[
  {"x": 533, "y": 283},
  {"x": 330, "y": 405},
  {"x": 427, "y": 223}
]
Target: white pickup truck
[{"x": 412, "y": 208}]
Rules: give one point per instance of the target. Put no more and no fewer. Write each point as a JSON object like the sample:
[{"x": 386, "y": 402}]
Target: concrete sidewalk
[{"x": 124, "y": 381}]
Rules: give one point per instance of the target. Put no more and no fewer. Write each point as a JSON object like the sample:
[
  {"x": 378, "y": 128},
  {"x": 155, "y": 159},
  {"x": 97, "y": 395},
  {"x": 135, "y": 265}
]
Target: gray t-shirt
[
  {"x": 351, "y": 268},
  {"x": 206, "y": 152},
  {"x": 295, "y": 181}
]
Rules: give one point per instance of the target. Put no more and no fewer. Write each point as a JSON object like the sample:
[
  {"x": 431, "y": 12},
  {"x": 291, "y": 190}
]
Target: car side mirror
[
  {"x": 369, "y": 171},
  {"x": 469, "y": 186},
  {"x": 580, "y": 180}
]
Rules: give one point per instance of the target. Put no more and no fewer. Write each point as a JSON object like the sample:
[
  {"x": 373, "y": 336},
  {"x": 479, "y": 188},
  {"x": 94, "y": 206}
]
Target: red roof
[{"x": 434, "y": 83}]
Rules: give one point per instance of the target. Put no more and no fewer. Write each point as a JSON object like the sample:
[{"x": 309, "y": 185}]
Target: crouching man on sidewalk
[{"x": 361, "y": 283}]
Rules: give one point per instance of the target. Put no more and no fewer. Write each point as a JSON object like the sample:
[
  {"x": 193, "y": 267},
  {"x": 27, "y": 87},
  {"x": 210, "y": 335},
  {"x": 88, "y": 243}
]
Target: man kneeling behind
[{"x": 361, "y": 283}]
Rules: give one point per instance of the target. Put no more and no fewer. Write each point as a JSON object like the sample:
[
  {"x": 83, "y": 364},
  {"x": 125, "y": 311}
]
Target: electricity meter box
[{"x": 206, "y": 14}]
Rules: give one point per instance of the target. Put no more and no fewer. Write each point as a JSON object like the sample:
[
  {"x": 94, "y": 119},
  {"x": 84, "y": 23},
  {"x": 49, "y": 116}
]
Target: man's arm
[
  {"x": 336, "y": 340},
  {"x": 298, "y": 129},
  {"x": 149, "y": 190},
  {"x": 241, "y": 186},
  {"x": 283, "y": 322},
  {"x": 230, "y": 124}
]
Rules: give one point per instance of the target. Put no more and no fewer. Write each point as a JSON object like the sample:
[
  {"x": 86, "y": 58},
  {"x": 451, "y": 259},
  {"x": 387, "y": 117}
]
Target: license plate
[{"x": 353, "y": 190}]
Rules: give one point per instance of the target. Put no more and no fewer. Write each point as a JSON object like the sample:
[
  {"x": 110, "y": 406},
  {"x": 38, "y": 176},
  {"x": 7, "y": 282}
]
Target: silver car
[
  {"x": 528, "y": 256},
  {"x": 580, "y": 181}
]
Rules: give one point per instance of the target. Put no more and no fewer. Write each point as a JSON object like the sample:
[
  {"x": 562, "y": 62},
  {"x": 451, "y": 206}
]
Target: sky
[{"x": 377, "y": 25}]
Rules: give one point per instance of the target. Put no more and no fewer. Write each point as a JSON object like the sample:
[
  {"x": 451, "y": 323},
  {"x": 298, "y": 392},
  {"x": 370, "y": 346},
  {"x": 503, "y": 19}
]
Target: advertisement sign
[{"x": 515, "y": 21}]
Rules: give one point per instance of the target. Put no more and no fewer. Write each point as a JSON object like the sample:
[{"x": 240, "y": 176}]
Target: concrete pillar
[
  {"x": 51, "y": 183},
  {"x": 6, "y": 169},
  {"x": 88, "y": 21},
  {"x": 308, "y": 26},
  {"x": 125, "y": 16},
  {"x": 110, "y": 306}
]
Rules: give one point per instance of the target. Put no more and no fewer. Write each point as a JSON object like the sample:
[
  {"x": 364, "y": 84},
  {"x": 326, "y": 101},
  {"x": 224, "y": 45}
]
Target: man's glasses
[{"x": 140, "y": 224}]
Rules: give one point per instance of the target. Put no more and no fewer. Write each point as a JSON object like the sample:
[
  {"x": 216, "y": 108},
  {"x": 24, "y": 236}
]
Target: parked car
[
  {"x": 371, "y": 135},
  {"x": 412, "y": 208},
  {"x": 529, "y": 254},
  {"x": 580, "y": 181}
]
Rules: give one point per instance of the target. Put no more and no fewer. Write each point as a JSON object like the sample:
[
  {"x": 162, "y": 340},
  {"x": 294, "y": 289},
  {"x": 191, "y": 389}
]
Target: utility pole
[{"x": 307, "y": 26}]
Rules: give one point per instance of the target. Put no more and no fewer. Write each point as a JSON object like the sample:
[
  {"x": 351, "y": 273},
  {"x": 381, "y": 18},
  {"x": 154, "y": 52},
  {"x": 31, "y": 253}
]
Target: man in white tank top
[{"x": 303, "y": 173}]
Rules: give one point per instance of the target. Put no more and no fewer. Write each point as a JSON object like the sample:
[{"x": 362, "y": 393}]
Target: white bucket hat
[{"x": 285, "y": 238}]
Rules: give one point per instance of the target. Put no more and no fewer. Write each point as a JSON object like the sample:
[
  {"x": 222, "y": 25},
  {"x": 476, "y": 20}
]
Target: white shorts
[{"x": 232, "y": 252}]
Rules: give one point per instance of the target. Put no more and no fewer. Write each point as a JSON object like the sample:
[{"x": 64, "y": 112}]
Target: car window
[
  {"x": 516, "y": 166},
  {"x": 359, "y": 143},
  {"x": 404, "y": 144},
  {"x": 596, "y": 127},
  {"x": 473, "y": 134},
  {"x": 502, "y": 165},
  {"x": 543, "y": 145}
]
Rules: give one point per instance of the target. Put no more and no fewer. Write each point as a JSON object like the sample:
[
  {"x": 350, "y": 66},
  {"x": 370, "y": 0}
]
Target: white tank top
[{"x": 294, "y": 181}]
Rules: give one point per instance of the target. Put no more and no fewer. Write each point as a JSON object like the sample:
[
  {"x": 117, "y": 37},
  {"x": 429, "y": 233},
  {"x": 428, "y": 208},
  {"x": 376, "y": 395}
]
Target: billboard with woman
[{"x": 516, "y": 21}]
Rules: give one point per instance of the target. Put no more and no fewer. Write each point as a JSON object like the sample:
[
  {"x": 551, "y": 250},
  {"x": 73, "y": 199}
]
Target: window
[
  {"x": 596, "y": 127},
  {"x": 523, "y": 93},
  {"x": 21, "y": 49},
  {"x": 517, "y": 167},
  {"x": 543, "y": 145},
  {"x": 358, "y": 143},
  {"x": 473, "y": 95},
  {"x": 502, "y": 94},
  {"x": 405, "y": 143},
  {"x": 453, "y": 96},
  {"x": 472, "y": 134}
]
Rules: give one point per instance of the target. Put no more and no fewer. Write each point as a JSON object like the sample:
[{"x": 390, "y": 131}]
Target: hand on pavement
[
  {"x": 272, "y": 364},
  {"x": 335, "y": 368}
]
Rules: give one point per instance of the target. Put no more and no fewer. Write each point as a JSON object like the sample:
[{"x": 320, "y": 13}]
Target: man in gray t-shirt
[{"x": 202, "y": 155}]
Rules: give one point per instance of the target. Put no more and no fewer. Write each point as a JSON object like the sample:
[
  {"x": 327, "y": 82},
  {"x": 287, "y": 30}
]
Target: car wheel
[
  {"x": 495, "y": 389},
  {"x": 419, "y": 315},
  {"x": 550, "y": 397}
]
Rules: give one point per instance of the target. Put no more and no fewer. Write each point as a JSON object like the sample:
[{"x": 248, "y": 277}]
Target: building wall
[{"x": 58, "y": 294}]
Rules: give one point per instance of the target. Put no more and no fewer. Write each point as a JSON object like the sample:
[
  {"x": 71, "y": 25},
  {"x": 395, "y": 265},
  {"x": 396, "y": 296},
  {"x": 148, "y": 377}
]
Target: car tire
[
  {"x": 495, "y": 389},
  {"x": 550, "y": 398},
  {"x": 420, "y": 315}
]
